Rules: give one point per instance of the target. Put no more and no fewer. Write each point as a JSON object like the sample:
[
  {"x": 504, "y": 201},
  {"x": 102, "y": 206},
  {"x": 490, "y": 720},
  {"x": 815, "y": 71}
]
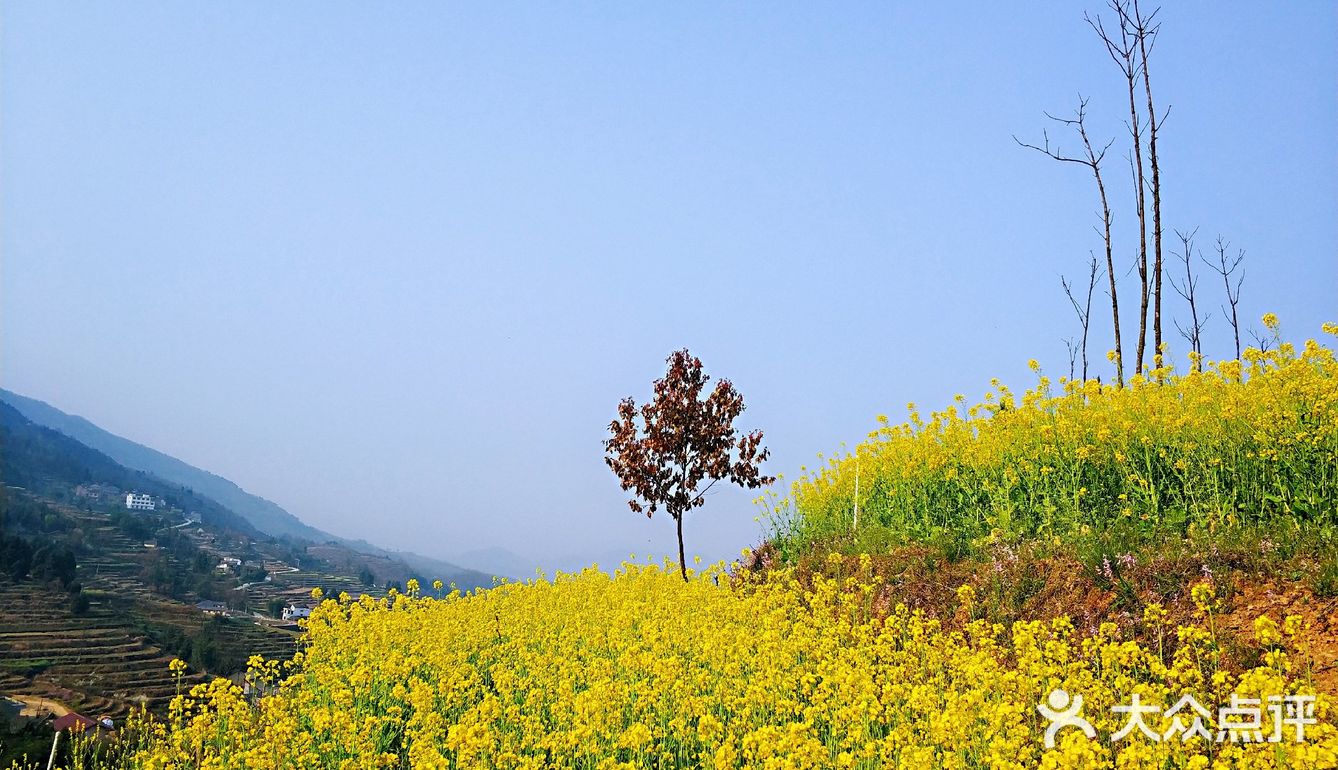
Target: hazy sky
[{"x": 393, "y": 265}]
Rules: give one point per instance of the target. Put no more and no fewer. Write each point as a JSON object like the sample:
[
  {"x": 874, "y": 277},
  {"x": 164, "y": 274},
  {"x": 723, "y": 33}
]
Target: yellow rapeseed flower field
[
  {"x": 639, "y": 670},
  {"x": 1232, "y": 442},
  {"x": 783, "y": 669}
]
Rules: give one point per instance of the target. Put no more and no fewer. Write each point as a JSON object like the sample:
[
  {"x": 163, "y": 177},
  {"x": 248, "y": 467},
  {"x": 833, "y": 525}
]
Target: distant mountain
[
  {"x": 264, "y": 515},
  {"x": 465, "y": 576},
  {"x": 43, "y": 460},
  {"x": 500, "y": 562},
  {"x": 228, "y": 499}
]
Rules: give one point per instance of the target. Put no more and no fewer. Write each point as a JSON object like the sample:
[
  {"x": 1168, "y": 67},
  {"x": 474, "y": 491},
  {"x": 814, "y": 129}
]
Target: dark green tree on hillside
[{"x": 665, "y": 450}]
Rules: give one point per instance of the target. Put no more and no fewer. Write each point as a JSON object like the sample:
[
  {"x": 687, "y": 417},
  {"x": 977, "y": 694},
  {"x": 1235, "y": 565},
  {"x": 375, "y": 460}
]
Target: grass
[{"x": 1326, "y": 580}]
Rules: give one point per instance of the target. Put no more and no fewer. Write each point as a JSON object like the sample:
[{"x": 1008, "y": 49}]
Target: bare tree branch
[
  {"x": 1262, "y": 341},
  {"x": 1125, "y": 53},
  {"x": 1188, "y": 291},
  {"x": 1083, "y": 311},
  {"x": 1091, "y": 158},
  {"x": 1226, "y": 267},
  {"x": 1145, "y": 31}
]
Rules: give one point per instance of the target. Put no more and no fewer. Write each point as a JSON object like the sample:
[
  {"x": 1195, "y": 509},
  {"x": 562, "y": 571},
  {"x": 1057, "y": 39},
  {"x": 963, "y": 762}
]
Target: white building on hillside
[
  {"x": 136, "y": 502},
  {"x": 293, "y": 612}
]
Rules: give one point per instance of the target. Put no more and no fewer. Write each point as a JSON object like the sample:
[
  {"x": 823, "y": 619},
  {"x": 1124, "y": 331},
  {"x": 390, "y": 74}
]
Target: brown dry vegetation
[{"x": 1026, "y": 584}]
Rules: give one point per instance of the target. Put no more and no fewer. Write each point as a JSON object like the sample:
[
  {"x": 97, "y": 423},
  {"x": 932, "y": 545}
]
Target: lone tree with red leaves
[{"x": 681, "y": 441}]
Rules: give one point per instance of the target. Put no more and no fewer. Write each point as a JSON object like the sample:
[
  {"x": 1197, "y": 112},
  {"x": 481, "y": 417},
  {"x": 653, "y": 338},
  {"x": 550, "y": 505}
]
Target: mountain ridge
[
  {"x": 264, "y": 515},
  {"x": 35, "y": 456}
]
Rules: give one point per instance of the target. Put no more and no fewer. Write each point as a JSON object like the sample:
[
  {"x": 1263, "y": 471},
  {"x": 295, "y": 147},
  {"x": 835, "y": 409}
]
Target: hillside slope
[
  {"x": 264, "y": 515},
  {"x": 45, "y": 461}
]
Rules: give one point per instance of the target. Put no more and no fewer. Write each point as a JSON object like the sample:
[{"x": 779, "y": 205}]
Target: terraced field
[
  {"x": 94, "y": 663},
  {"x": 293, "y": 586},
  {"x": 104, "y": 662},
  {"x": 114, "y": 657}
]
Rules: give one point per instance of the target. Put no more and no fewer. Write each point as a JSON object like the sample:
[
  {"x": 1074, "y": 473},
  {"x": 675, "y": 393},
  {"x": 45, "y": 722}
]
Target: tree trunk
[
  {"x": 1156, "y": 182},
  {"x": 1235, "y": 328},
  {"x": 1110, "y": 272},
  {"x": 1137, "y": 162},
  {"x": 682, "y": 561}
]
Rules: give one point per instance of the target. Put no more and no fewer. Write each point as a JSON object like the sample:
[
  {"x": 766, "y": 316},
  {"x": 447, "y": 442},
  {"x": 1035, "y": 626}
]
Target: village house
[
  {"x": 97, "y": 491},
  {"x": 294, "y": 612},
  {"x": 134, "y": 502},
  {"x": 73, "y": 722},
  {"x": 212, "y": 608}
]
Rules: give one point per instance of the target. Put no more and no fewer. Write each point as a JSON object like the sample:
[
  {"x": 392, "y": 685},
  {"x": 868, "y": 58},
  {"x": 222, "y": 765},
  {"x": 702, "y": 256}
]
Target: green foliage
[
  {"x": 275, "y": 607},
  {"x": 209, "y": 648},
  {"x": 43, "y": 561},
  {"x": 136, "y": 526},
  {"x": 79, "y": 603},
  {"x": 26, "y": 666},
  {"x": 1326, "y": 581},
  {"x": 26, "y": 746}
]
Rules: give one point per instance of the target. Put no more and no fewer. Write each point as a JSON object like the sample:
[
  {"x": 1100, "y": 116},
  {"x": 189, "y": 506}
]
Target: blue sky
[{"x": 394, "y": 266}]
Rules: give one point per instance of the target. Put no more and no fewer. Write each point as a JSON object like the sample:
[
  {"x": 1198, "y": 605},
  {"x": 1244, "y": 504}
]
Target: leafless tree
[
  {"x": 1193, "y": 334},
  {"x": 1124, "y": 50},
  {"x": 1145, "y": 30},
  {"x": 1263, "y": 341},
  {"x": 1227, "y": 267},
  {"x": 1091, "y": 158},
  {"x": 1072, "y": 348},
  {"x": 1083, "y": 311}
]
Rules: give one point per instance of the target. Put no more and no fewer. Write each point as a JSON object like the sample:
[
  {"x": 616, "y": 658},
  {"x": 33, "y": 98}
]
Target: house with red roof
[{"x": 72, "y": 721}]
